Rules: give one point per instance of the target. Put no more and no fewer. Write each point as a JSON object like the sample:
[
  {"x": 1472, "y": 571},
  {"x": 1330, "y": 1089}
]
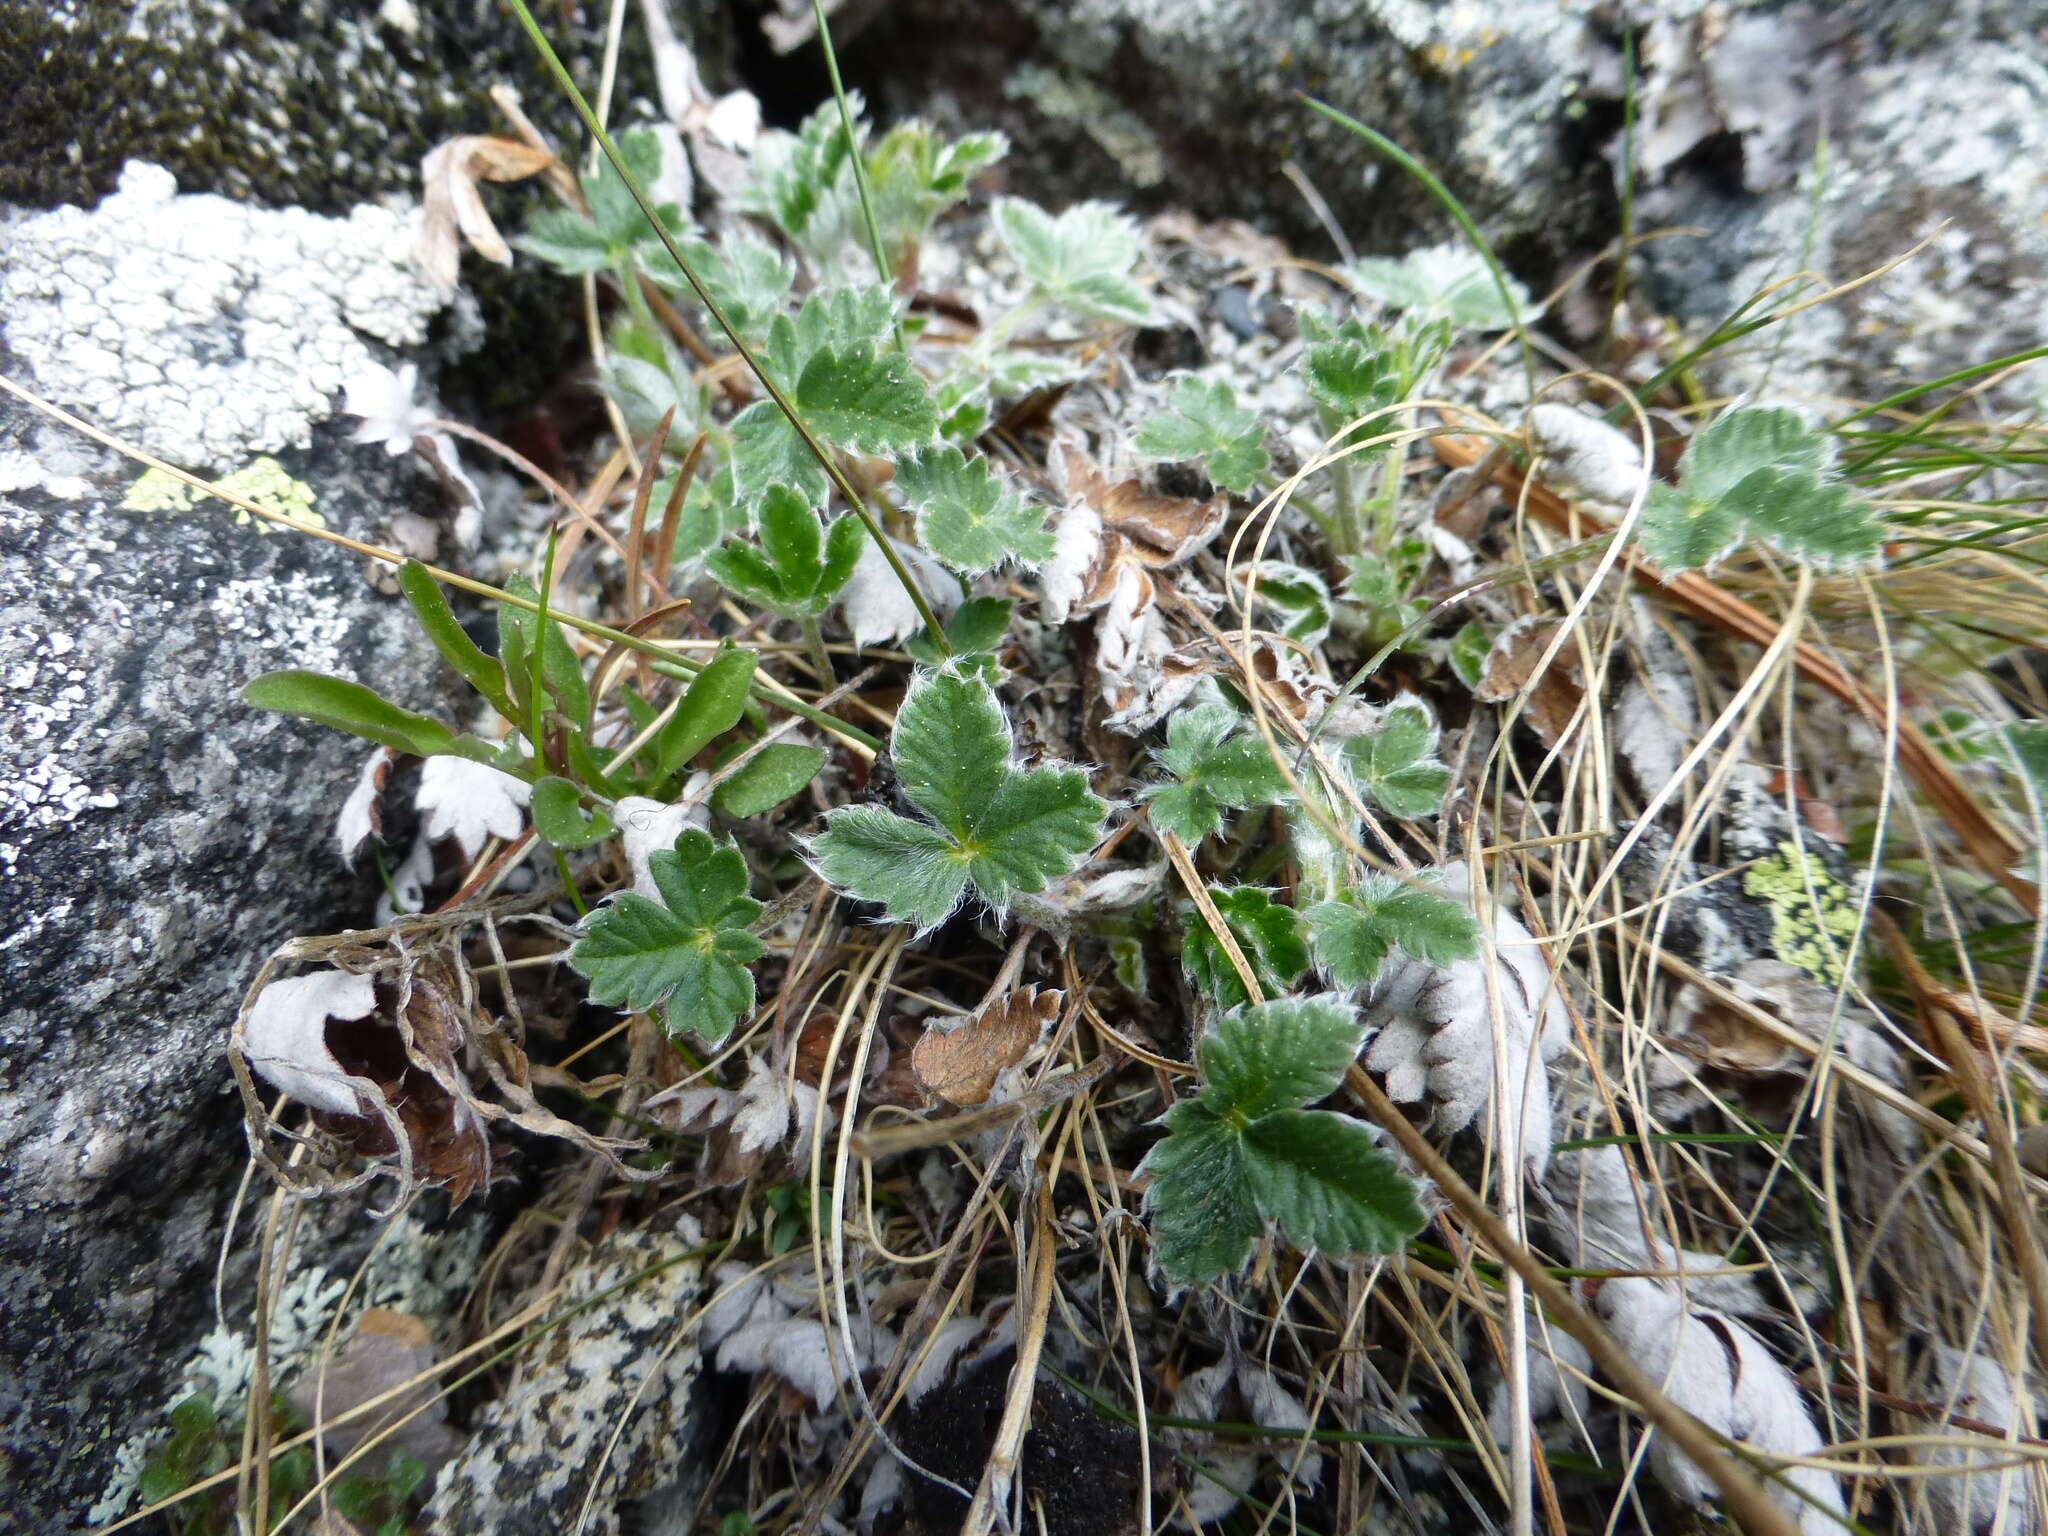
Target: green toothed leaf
[
  {"x": 1323, "y": 1177},
  {"x": 867, "y": 400},
  {"x": 1205, "y": 1222},
  {"x": 1005, "y": 830},
  {"x": 1449, "y": 282},
  {"x": 1268, "y": 933},
  {"x": 1353, "y": 936},
  {"x": 559, "y": 818},
  {"x": 1081, "y": 260},
  {"x": 1278, "y": 1055},
  {"x": 1216, "y": 767},
  {"x": 1205, "y": 422},
  {"x": 1396, "y": 765},
  {"x": 968, "y": 517},
  {"x": 801, "y": 563},
  {"x": 687, "y": 954}
]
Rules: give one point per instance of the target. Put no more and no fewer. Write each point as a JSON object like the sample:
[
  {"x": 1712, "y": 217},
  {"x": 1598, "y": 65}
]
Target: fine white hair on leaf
[
  {"x": 1597, "y": 1219},
  {"x": 469, "y": 802},
  {"x": 359, "y": 819},
  {"x": 1975, "y": 1386},
  {"x": 1434, "y": 1033},
  {"x": 286, "y": 1037},
  {"x": 1585, "y": 457},
  {"x": 1713, "y": 1368}
]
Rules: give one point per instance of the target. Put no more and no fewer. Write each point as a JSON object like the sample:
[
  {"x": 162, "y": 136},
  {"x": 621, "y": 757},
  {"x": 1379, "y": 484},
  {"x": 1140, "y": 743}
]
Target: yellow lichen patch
[
  {"x": 1813, "y": 914},
  {"x": 262, "y": 481}
]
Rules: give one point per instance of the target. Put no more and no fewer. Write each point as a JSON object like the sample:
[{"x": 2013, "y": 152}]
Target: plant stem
[
  {"x": 853, "y": 152},
  {"x": 814, "y": 641}
]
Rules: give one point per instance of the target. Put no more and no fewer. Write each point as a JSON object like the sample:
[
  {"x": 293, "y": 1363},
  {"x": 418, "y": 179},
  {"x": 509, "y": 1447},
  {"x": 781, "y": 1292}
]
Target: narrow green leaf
[
  {"x": 437, "y": 619},
  {"x": 686, "y": 954},
  {"x": 1278, "y": 1055},
  {"x": 1199, "y": 1201},
  {"x": 558, "y": 816},
  {"x": 1326, "y": 1181},
  {"x": 348, "y": 707},
  {"x": 776, "y": 773},
  {"x": 711, "y": 706}
]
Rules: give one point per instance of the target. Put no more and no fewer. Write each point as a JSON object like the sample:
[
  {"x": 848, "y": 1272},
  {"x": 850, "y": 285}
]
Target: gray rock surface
[
  {"x": 1929, "y": 114},
  {"x": 157, "y": 836}
]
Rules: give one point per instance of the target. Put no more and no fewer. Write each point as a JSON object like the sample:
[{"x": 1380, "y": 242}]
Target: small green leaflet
[
  {"x": 1758, "y": 472},
  {"x": 966, "y": 516},
  {"x": 802, "y": 562},
  {"x": 1244, "y": 1152},
  {"x": 1298, "y": 598},
  {"x": 1001, "y": 829},
  {"x": 1351, "y": 937},
  {"x": 746, "y": 275},
  {"x": 1215, "y": 767},
  {"x": 777, "y": 772},
  {"x": 686, "y": 954},
  {"x": 976, "y": 629},
  {"x": 915, "y": 176},
  {"x": 1396, "y": 765},
  {"x": 1351, "y": 372},
  {"x": 1268, "y": 933},
  {"x": 794, "y": 175},
  {"x": 1081, "y": 260},
  {"x": 1204, "y": 421},
  {"x": 1450, "y": 282},
  {"x": 559, "y": 818},
  {"x": 615, "y": 235}
]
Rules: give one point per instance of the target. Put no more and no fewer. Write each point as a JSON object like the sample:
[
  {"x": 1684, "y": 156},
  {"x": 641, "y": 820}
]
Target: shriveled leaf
[
  {"x": 961, "y": 1064},
  {"x": 1204, "y": 1221},
  {"x": 1353, "y": 936},
  {"x": 969, "y": 518},
  {"x": 1396, "y": 765},
  {"x": 1205, "y": 422},
  {"x": 686, "y": 954},
  {"x": 1216, "y": 766},
  {"x": 1326, "y": 1181},
  {"x": 777, "y": 772},
  {"x": 1278, "y": 1055},
  {"x": 469, "y": 802},
  {"x": 451, "y": 207},
  {"x": 1267, "y": 932},
  {"x": 348, "y": 706}
]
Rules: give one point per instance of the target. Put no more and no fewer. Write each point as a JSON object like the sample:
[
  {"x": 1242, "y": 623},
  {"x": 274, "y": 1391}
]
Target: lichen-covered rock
[
  {"x": 1518, "y": 106},
  {"x": 157, "y": 836},
  {"x": 605, "y": 1410}
]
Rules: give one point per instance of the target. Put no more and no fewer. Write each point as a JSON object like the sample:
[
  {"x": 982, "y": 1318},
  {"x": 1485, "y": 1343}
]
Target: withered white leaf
[
  {"x": 961, "y": 1065},
  {"x": 1435, "y": 1033},
  {"x": 285, "y": 1039},
  {"x": 452, "y": 209},
  {"x": 1715, "y": 1369},
  {"x": 1585, "y": 457},
  {"x": 469, "y": 802},
  {"x": 877, "y": 608},
  {"x": 360, "y": 818},
  {"x": 1975, "y": 1386}
]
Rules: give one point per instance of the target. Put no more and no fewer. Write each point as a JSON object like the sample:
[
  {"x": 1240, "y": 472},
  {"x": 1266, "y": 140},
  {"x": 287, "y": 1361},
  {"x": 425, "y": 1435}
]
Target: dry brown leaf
[
  {"x": 387, "y": 1350},
  {"x": 961, "y": 1065},
  {"x": 452, "y": 207},
  {"x": 1159, "y": 531},
  {"x": 1510, "y": 665}
]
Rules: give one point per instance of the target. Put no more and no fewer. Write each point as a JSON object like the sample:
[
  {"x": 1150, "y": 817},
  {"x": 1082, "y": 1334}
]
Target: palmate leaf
[
  {"x": 1081, "y": 260},
  {"x": 871, "y": 401},
  {"x": 1450, "y": 282},
  {"x": 1267, "y": 932},
  {"x": 1244, "y": 1152},
  {"x": 686, "y": 954},
  {"x": 1353, "y": 936},
  {"x": 802, "y": 561},
  {"x": 1758, "y": 472},
  {"x": 966, "y": 516},
  {"x": 1216, "y": 767},
  {"x": 1204, "y": 421},
  {"x": 1396, "y": 765},
  {"x": 1003, "y": 830}
]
